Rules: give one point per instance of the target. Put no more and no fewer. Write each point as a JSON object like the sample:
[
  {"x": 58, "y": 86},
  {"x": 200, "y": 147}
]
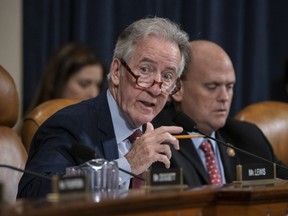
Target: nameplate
[
  {"x": 164, "y": 177},
  {"x": 69, "y": 184},
  {"x": 258, "y": 171}
]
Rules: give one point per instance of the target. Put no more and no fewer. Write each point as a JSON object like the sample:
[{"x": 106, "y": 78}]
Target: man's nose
[
  {"x": 156, "y": 87},
  {"x": 224, "y": 94}
]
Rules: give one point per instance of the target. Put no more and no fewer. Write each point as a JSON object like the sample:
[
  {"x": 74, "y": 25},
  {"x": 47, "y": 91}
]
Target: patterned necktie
[
  {"x": 212, "y": 167},
  {"x": 133, "y": 137},
  {"x": 136, "y": 183}
]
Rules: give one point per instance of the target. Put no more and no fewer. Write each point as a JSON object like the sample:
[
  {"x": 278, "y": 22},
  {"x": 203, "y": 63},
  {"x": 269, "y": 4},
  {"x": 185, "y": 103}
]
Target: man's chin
[
  {"x": 143, "y": 119},
  {"x": 220, "y": 125}
]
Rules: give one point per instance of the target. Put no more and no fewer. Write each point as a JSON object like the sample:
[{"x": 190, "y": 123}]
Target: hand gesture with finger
[{"x": 151, "y": 147}]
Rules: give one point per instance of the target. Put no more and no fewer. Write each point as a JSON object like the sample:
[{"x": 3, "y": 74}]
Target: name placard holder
[
  {"x": 65, "y": 187},
  {"x": 164, "y": 178},
  {"x": 256, "y": 174}
]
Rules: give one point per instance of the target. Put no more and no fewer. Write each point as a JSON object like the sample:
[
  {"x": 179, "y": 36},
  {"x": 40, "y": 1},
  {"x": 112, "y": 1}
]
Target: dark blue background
[{"x": 253, "y": 32}]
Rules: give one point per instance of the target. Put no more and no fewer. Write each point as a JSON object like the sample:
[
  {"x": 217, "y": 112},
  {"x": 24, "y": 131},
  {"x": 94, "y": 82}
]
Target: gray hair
[{"x": 156, "y": 27}]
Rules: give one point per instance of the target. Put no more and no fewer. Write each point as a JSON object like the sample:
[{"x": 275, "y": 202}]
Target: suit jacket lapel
[
  {"x": 105, "y": 126},
  {"x": 229, "y": 163},
  {"x": 107, "y": 146},
  {"x": 187, "y": 149}
]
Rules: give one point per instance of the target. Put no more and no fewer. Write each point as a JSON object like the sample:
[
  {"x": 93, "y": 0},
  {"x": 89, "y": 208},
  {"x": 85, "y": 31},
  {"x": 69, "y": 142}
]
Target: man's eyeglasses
[{"x": 169, "y": 85}]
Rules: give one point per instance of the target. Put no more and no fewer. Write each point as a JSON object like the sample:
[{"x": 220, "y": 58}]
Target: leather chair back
[
  {"x": 9, "y": 99},
  {"x": 12, "y": 151},
  {"x": 39, "y": 114},
  {"x": 272, "y": 118}
]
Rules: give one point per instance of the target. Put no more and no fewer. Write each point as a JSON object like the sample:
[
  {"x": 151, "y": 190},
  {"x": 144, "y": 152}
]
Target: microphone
[
  {"x": 85, "y": 153},
  {"x": 25, "y": 171},
  {"x": 189, "y": 125}
]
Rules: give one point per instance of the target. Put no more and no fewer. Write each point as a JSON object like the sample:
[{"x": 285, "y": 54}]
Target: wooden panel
[{"x": 210, "y": 201}]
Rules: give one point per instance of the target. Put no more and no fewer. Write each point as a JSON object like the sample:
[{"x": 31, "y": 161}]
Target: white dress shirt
[{"x": 122, "y": 131}]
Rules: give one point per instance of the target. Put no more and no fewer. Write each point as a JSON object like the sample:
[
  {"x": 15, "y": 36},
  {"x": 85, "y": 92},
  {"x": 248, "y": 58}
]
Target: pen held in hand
[{"x": 189, "y": 136}]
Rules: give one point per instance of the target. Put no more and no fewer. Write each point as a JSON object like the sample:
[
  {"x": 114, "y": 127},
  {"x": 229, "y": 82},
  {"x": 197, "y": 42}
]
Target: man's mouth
[
  {"x": 148, "y": 104},
  {"x": 221, "y": 110}
]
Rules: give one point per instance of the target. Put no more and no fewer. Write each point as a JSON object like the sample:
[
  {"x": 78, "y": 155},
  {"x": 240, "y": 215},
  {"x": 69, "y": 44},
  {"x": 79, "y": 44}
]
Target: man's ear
[
  {"x": 178, "y": 95},
  {"x": 115, "y": 71}
]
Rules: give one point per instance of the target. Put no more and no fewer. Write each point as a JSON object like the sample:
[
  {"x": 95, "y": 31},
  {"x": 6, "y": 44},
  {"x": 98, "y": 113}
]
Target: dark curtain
[{"x": 253, "y": 32}]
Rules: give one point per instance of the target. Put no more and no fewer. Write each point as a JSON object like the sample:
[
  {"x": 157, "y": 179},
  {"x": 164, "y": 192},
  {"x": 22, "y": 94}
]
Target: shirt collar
[
  {"x": 122, "y": 129},
  {"x": 197, "y": 141}
]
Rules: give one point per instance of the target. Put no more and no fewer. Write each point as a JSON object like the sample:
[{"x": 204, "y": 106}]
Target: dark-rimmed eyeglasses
[{"x": 145, "y": 79}]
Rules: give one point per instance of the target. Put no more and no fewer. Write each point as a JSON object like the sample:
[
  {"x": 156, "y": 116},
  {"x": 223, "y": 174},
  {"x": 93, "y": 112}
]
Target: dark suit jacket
[
  {"x": 242, "y": 135},
  {"x": 54, "y": 146}
]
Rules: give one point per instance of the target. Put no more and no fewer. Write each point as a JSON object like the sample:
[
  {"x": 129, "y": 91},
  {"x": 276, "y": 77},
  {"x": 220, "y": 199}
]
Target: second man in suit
[{"x": 205, "y": 96}]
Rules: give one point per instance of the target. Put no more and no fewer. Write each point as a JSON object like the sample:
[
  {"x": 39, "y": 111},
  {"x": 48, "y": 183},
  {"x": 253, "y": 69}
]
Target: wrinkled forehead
[{"x": 157, "y": 49}]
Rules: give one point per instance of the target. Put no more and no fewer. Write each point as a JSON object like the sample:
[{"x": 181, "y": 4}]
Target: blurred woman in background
[{"x": 74, "y": 71}]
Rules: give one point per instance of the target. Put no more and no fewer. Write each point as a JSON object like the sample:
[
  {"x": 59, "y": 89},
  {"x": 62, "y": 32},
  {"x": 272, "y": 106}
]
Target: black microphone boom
[
  {"x": 25, "y": 171},
  {"x": 189, "y": 125}
]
